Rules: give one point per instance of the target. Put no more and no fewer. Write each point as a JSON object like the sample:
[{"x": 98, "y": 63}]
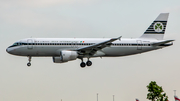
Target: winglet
[
  {"x": 120, "y": 38},
  {"x": 113, "y": 39}
]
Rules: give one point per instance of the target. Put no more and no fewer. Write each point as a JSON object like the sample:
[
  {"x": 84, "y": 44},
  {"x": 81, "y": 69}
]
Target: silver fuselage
[{"x": 48, "y": 47}]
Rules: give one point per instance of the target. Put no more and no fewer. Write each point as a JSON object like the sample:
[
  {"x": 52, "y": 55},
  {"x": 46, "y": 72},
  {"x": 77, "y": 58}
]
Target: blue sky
[{"x": 124, "y": 77}]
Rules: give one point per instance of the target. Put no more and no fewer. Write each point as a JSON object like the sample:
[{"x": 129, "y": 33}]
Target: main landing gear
[
  {"x": 83, "y": 64},
  {"x": 29, "y": 59}
]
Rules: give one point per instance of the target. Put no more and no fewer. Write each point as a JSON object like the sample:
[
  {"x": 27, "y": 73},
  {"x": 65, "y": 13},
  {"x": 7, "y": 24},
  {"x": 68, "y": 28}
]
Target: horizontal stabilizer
[{"x": 163, "y": 42}]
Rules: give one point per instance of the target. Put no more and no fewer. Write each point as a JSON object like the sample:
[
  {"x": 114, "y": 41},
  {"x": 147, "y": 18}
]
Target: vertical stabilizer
[
  {"x": 176, "y": 98},
  {"x": 157, "y": 29}
]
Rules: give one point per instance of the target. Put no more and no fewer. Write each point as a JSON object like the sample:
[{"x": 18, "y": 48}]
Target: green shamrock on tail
[{"x": 158, "y": 26}]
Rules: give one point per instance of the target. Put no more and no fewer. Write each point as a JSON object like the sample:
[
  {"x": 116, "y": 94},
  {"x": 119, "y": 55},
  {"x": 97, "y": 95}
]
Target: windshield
[{"x": 16, "y": 44}]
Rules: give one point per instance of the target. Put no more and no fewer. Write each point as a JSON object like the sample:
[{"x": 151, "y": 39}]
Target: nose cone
[{"x": 8, "y": 50}]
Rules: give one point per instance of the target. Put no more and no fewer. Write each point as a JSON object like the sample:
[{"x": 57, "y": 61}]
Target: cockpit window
[{"x": 16, "y": 44}]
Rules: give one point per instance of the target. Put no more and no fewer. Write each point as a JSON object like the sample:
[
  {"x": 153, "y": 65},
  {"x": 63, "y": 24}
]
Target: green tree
[{"x": 156, "y": 92}]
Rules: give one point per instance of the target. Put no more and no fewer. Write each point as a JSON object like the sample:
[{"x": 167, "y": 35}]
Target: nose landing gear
[
  {"x": 28, "y": 64},
  {"x": 29, "y": 59}
]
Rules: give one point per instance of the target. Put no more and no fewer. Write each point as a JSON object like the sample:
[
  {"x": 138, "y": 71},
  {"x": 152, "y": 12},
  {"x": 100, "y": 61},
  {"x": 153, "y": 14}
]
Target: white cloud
[
  {"x": 22, "y": 17},
  {"x": 172, "y": 9},
  {"x": 26, "y": 12},
  {"x": 32, "y": 19},
  {"x": 41, "y": 3}
]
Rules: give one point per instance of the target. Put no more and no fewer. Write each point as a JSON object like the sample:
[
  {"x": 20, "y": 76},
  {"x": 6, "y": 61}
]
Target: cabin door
[
  {"x": 139, "y": 45},
  {"x": 30, "y": 44}
]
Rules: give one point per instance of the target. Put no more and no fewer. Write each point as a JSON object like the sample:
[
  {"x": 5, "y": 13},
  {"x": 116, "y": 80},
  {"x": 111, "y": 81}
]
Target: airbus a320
[{"x": 63, "y": 50}]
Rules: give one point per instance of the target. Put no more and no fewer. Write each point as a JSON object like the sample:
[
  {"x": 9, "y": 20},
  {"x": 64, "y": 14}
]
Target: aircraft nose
[
  {"x": 11, "y": 51},
  {"x": 7, "y": 50}
]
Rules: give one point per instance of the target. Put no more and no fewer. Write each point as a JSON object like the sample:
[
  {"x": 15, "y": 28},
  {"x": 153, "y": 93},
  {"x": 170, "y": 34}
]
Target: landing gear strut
[
  {"x": 29, "y": 59},
  {"x": 83, "y": 64}
]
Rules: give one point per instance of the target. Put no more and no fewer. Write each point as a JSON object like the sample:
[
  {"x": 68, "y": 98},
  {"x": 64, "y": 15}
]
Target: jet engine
[{"x": 65, "y": 56}]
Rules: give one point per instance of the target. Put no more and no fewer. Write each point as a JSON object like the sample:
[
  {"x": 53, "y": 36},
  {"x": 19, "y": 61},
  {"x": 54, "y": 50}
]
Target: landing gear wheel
[
  {"x": 28, "y": 64},
  {"x": 83, "y": 64},
  {"x": 88, "y": 63}
]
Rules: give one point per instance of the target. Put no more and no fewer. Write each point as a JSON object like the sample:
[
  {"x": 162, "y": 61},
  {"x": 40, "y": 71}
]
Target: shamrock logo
[{"x": 158, "y": 27}]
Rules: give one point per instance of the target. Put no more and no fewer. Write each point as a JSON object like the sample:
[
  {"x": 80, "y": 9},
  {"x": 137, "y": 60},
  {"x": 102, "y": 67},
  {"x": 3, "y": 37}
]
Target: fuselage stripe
[{"x": 75, "y": 44}]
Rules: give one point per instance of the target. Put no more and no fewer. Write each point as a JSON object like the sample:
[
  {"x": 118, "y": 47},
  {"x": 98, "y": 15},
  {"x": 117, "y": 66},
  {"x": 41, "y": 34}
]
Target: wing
[{"x": 92, "y": 49}]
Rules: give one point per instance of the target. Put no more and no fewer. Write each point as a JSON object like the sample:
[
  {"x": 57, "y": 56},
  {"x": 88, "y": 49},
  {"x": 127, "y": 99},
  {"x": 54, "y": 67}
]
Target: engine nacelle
[
  {"x": 57, "y": 60},
  {"x": 65, "y": 56}
]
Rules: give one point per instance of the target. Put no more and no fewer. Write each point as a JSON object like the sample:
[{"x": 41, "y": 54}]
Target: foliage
[{"x": 156, "y": 92}]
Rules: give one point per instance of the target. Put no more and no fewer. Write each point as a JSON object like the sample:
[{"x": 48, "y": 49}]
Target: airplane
[
  {"x": 137, "y": 99},
  {"x": 63, "y": 50},
  {"x": 176, "y": 98}
]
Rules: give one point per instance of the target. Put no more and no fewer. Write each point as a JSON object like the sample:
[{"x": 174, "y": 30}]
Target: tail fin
[
  {"x": 157, "y": 29},
  {"x": 137, "y": 99},
  {"x": 176, "y": 98}
]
